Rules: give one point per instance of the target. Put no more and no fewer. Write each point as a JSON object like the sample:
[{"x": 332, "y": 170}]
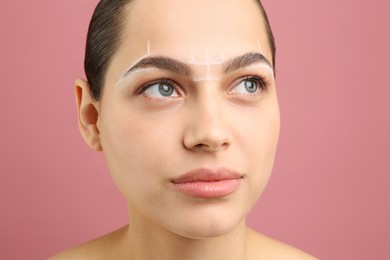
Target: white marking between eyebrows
[
  {"x": 253, "y": 66},
  {"x": 208, "y": 61},
  {"x": 207, "y": 78},
  {"x": 204, "y": 63}
]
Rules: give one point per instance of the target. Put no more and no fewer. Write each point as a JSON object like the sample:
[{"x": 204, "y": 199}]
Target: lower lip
[{"x": 213, "y": 189}]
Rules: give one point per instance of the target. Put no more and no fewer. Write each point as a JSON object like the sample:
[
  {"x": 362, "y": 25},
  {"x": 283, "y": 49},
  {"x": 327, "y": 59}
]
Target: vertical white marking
[
  {"x": 208, "y": 61},
  {"x": 259, "y": 46},
  {"x": 192, "y": 55},
  {"x": 221, "y": 56},
  {"x": 148, "y": 48}
]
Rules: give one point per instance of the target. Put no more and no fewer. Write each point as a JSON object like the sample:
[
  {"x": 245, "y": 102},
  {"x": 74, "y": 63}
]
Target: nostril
[
  {"x": 210, "y": 147},
  {"x": 200, "y": 146},
  {"x": 205, "y": 147},
  {"x": 207, "y": 135}
]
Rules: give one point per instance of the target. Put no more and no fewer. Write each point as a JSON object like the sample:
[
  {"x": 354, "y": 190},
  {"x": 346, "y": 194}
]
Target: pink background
[{"x": 330, "y": 190}]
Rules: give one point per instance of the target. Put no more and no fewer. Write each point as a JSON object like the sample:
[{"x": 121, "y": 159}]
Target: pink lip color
[{"x": 205, "y": 183}]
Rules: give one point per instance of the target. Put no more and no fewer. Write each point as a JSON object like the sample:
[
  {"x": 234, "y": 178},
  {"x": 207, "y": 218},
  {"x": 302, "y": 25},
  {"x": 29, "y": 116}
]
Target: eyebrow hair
[
  {"x": 245, "y": 60},
  {"x": 163, "y": 63},
  {"x": 182, "y": 68}
]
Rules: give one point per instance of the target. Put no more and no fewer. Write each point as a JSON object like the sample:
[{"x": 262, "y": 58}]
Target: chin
[
  {"x": 208, "y": 233},
  {"x": 207, "y": 226}
]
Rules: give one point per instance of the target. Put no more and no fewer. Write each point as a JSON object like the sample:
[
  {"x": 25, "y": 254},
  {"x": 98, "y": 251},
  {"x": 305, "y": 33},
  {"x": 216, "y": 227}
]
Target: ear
[{"x": 88, "y": 115}]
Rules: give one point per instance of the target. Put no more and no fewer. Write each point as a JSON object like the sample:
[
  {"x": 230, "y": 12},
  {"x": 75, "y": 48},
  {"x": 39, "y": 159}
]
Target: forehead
[{"x": 194, "y": 29}]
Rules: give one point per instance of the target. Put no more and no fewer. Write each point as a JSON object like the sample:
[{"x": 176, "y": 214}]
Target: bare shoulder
[
  {"x": 264, "y": 247},
  {"x": 96, "y": 249}
]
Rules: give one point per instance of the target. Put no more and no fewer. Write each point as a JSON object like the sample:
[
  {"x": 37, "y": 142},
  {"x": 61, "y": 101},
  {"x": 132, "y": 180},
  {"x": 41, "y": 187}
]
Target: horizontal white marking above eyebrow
[
  {"x": 260, "y": 65},
  {"x": 135, "y": 62},
  {"x": 140, "y": 70},
  {"x": 209, "y": 78},
  {"x": 205, "y": 63}
]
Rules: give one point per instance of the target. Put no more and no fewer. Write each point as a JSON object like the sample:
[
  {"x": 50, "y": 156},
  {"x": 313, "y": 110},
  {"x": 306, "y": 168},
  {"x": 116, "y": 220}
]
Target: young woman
[{"x": 181, "y": 98}]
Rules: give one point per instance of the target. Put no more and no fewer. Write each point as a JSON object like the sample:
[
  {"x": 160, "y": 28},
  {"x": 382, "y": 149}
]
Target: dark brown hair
[{"x": 104, "y": 38}]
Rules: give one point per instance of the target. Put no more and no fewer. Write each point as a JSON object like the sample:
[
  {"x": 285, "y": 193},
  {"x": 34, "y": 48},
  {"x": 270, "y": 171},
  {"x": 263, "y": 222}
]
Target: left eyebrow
[
  {"x": 245, "y": 60},
  {"x": 182, "y": 68}
]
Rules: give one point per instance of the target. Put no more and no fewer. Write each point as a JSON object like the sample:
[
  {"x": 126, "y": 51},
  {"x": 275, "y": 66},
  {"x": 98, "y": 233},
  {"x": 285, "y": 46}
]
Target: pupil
[
  {"x": 250, "y": 86},
  {"x": 165, "y": 90}
]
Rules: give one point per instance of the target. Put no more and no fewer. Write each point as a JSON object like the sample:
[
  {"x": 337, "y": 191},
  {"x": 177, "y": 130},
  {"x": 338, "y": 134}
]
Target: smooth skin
[{"x": 150, "y": 137}]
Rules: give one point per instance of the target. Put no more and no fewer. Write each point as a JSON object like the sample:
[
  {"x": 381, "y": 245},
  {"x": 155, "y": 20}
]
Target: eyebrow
[
  {"x": 163, "y": 63},
  {"x": 245, "y": 60},
  {"x": 182, "y": 68}
]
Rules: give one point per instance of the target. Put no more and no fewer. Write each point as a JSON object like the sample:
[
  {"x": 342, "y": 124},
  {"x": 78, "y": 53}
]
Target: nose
[{"x": 207, "y": 129}]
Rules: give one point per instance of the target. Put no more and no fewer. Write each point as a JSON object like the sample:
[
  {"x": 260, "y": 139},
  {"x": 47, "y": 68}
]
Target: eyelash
[
  {"x": 262, "y": 82},
  {"x": 158, "y": 81}
]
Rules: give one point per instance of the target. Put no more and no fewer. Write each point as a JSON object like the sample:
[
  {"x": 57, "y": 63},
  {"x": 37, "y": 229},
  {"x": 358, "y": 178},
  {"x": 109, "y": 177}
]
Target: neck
[{"x": 144, "y": 241}]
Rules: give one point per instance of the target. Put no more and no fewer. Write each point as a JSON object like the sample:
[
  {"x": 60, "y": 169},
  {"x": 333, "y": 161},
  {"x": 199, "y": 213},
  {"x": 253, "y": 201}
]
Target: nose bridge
[
  {"x": 207, "y": 128},
  {"x": 208, "y": 114}
]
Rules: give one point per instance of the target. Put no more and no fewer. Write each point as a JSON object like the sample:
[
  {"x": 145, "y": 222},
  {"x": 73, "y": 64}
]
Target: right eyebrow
[{"x": 163, "y": 63}]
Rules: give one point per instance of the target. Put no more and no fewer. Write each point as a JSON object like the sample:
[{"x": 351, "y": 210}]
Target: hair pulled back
[{"x": 104, "y": 37}]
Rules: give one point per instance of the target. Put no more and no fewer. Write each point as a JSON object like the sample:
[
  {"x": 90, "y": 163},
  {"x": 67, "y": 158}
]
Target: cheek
[
  {"x": 136, "y": 150},
  {"x": 257, "y": 130},
  {"x": 257, "y": 136}
]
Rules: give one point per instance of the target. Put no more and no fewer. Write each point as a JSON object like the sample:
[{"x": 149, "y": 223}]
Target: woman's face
[{"x": 189, "y": 118}]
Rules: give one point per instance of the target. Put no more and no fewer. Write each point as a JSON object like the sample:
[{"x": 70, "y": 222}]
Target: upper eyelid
[
  {"x": 145, "y": 86},
  {"x": 262, "y": 88},
  {"x": 262, "y": 79},
  {"x": 178, "y": 86}
]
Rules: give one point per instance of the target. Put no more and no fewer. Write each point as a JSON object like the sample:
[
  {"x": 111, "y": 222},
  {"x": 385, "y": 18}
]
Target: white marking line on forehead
[
  {"x": 246, "y": 60},
  {"x": 208, "y": 61},
  {"x": 192, "y": 56},
  {"x": 208, "y": 78},
  {"x": 148, "y": 54},
  {"x": 148, "y": 48},
  {"x": 221, "y": 56},
  {"x": 259, "y": 46},
  {"x": 204, "y": 63}
]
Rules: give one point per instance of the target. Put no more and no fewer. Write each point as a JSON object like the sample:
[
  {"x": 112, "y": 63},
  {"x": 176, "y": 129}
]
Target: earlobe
[{"x": 88, "y": 115}]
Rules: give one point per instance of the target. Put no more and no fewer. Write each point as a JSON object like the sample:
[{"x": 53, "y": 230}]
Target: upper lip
[{"x": 207, "y": 175}]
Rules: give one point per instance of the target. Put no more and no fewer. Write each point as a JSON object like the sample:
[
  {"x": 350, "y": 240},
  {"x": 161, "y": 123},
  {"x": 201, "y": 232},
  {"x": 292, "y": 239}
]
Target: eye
[
  {"x": 249, "y": 86},
  {"x": 160, "y": 89}
]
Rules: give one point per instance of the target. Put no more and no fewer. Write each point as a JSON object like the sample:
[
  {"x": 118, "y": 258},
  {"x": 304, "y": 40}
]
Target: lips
[{"x": 208, "y": 183}]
